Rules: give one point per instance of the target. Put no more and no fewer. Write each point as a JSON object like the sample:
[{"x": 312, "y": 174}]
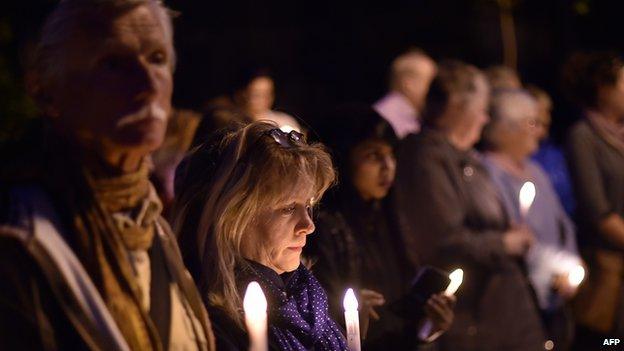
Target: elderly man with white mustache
[{"x": 87, "y": 260}]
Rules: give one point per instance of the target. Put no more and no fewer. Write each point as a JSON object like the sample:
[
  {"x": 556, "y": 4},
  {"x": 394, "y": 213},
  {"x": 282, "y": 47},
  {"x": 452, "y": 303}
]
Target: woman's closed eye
[{"x": 289, "y": 210}]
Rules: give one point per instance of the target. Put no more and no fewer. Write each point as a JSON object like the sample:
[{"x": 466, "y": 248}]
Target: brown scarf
[
  {"x": 120, "y": 216},
  {"x": 108, "y": 215},
  {"x": 132, "y": 202}
]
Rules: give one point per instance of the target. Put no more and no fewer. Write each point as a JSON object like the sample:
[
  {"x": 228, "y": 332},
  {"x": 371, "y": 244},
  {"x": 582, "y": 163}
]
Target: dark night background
[{"x": 327, "y": 52}]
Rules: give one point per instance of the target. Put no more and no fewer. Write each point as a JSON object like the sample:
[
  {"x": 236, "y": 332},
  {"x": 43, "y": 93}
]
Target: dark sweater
[
  {"x": 451, "y": 217},
  {"x": 356, "y": 246}
]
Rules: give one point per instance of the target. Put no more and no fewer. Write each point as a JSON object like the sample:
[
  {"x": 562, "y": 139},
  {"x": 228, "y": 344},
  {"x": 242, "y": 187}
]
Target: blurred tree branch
[{"x": 508, "y": 32}]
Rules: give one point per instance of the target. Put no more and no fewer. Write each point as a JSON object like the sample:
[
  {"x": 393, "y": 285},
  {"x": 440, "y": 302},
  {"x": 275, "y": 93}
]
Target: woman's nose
[{"x": 306, "y": 224}]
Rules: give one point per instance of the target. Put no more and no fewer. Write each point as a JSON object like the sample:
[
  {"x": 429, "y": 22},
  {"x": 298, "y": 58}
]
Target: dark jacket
[
  {"x": 355, "y": 246},
  {"x": 41, "y": 306},
  {"x": 451, "y": 217}
]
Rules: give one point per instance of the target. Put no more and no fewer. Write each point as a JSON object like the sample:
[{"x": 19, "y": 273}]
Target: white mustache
[{"x": 153, "y": 111}]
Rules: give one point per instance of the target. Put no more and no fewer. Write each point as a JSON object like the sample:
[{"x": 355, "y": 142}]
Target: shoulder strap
[
  {"x": 160, "y": 293},
  {"x": 72, "y": 286},
  {"x": 184, "y": 280}
]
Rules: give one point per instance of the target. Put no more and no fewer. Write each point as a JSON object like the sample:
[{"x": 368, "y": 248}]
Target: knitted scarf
[{"x": 298, "y": 310}]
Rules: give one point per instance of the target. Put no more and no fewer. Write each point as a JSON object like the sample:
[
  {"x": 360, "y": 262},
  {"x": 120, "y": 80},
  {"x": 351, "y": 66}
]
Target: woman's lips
[{"x": 296, "y": 248}]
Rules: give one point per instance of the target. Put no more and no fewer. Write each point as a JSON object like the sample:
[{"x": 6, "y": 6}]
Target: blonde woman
[{"x": 243, "y": 213}]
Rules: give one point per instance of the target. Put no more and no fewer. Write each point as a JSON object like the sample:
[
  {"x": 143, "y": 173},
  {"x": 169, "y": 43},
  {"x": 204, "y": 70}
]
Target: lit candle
[
  {"x": 352, "y": 320},
  {"x": 255, "y": 306},
  {"x": 576, "y": 275},
  {"x": 457, "y": 277},
  {"x": 527, "y": 195}
]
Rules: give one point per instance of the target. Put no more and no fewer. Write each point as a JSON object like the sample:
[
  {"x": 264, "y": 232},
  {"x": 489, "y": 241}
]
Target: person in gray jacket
[{"x": 452, "y": 217}]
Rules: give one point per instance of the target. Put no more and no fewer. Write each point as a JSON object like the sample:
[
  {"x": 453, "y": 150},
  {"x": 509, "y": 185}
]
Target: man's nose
[{"x": 146, "y": 82}]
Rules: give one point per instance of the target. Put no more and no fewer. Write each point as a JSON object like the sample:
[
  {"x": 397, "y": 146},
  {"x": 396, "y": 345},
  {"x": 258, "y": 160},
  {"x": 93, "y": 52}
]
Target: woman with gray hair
[
  {"x": 451, "y": 217},
  {"x": 509, "y": 140}
]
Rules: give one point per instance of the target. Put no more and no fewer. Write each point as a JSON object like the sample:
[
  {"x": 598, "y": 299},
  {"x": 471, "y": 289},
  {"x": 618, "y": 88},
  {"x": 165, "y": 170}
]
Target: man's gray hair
[{"x": 73, "y": 17}]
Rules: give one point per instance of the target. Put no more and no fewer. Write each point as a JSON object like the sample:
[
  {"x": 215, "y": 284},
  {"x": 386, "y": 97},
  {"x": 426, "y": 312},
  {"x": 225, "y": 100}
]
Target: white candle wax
[
  {"x": 457, "y": 277},
  {"x": 527, "y": 195},
  {"x": 255, "y": 306},
  {"x": 352, "y": 321}
]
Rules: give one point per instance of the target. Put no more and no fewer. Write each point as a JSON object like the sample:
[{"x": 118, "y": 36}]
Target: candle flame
[
  {"x": 576, "y": 275},
  {"x": 350, "y": 303},
  {"x": 254, "y": 302},
  {"x": 527, "y": 195},
  {"x": 457, "y": 277}
]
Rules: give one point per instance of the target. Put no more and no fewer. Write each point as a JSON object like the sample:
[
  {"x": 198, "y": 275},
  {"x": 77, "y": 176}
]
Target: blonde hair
[{"x": 222, "y": 185}]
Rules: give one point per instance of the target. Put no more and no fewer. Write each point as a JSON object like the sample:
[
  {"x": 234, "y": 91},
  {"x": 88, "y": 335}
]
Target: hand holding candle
[
  {"x": 568, "y": 273},
  {"x": 457, "y": 277},
  {"x": 352, "y": 321},
  {"x": 255, "y": 306},
  {"x": 518, "y": 239}
]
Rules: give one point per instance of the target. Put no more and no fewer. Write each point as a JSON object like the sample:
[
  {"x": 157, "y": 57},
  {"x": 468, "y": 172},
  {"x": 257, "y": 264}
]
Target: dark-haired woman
[{"x": 356, "y": 243}]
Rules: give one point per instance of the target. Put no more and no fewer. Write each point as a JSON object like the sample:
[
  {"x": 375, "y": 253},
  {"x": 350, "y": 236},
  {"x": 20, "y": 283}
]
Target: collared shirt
[{"x": 399, "y": 112}]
